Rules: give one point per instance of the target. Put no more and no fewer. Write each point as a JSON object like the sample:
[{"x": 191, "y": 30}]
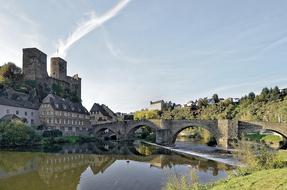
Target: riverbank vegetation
[
  {"x": 262, "y": 169},
  {"x": 13, "y": 134},
  {"x": 18, "y": 134}
]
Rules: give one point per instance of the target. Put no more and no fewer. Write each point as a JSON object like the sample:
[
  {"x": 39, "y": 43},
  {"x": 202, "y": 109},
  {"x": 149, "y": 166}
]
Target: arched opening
[
  {"x": 195, "y": 136},
  {"x": 106, "y": 134},
  {"x": 271, "y": 138},
  {"x": 142, "y": 132}
]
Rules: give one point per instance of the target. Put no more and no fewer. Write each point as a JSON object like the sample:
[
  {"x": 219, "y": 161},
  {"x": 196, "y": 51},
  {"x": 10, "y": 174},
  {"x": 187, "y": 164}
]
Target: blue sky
[{"x": 155, "y": 49}]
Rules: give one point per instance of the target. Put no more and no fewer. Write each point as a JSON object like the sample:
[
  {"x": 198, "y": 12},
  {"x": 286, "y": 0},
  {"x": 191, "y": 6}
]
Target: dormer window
[
  {"x": 57, "y": 105},
  {"x": 65, "y": 107}
]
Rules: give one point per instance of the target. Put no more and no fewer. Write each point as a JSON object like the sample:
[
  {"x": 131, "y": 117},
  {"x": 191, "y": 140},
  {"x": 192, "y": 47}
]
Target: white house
[{"x": 23, "y": 110}]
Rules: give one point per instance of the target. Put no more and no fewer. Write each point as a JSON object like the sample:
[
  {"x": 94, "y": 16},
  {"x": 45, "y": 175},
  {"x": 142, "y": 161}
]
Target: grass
[
  {"x": 261, "y": 180},
  {"x": 264, "y": 170},
  {"x": 282, "y": 155},
  {"x": 272, "y": 139},
  {"x": 71, "y": 139},
  {"x": 254, "y": 137}
]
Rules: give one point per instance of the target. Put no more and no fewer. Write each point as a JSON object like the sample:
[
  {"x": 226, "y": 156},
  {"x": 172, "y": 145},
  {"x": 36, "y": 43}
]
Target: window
[
  {"x": 17, "y": 112},
  {"x": 7, "y": 111},
  {"x": 32, "y": 113},
  {"x": 26, "y": 113},
  {"x": 32, "y": 121}
]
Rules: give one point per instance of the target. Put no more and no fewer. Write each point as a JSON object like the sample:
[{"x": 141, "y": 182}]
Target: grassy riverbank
[
  {"x": 261, "y": 180},
  {"x": 263, "y": 170},
  {"x": 269, "y": 179}
]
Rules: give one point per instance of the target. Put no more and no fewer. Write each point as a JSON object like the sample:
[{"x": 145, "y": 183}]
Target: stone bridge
[{"x": 224, "y": 131}]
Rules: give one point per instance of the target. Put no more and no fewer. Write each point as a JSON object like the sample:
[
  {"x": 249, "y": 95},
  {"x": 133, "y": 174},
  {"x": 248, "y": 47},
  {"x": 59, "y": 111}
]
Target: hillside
[{"x": 270, "y": 105}]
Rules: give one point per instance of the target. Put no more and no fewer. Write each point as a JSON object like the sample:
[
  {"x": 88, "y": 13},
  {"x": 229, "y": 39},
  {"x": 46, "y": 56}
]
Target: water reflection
[{"x": 100, "y": 166}]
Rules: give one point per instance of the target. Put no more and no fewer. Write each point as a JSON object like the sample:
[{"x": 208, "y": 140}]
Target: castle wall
[
  {"x": 58, "y": 68},
  {"x": 35, "y": 68},
  {"x": 34, "y": 64}
]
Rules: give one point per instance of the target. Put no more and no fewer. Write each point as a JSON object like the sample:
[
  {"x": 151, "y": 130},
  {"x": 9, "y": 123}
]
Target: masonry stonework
[{"x": 35, "y": 69}]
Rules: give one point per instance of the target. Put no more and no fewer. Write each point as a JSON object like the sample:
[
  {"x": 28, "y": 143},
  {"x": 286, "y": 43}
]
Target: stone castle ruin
[{"x": 35, "y": 69}]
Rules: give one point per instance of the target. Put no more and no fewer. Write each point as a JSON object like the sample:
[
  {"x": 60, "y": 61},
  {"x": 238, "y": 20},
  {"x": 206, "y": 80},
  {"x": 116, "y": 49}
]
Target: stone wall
[
  {"x": 58, "y": 68},
  {"x": 34, "y": 64},
  {"x": 35, "y": 68}
]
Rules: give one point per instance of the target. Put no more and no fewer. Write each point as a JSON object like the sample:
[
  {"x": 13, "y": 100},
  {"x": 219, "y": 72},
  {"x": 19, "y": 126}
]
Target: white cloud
[{"x": 88, "y": 26}]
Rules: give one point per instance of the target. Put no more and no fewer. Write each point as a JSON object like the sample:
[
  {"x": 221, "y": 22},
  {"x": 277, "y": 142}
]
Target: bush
[
  {"x": 17, "y": 134},
  {"x": 52, "y": 133},
  {"x": 256, "y": 157}
]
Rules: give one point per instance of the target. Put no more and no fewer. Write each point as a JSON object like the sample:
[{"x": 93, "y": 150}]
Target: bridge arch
[
  {"x": 133, "y": 126},
  {"x": 212, "y": 130},
  {"x": 101, "y": 128},
  {"x": 245, "y": 127}
]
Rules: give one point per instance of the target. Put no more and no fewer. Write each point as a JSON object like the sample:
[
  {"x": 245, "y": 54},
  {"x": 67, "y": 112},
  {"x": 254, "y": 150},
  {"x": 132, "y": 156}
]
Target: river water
[{"x": 99, "y": 166}]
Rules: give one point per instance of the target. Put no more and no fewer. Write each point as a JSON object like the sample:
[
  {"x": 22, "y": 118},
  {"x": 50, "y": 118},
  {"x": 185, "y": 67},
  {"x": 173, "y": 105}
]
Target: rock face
[{"x": 12, "y": 97}]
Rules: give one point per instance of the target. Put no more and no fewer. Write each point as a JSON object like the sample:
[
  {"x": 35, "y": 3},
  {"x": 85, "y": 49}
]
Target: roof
[
  {"x": 12, "y": 117},
  {"x": 15, "y": 103},
  {"x": 64, "y": 104},
  {"x": 156, "y": 102},
  {"x": 101, "y": 108}
]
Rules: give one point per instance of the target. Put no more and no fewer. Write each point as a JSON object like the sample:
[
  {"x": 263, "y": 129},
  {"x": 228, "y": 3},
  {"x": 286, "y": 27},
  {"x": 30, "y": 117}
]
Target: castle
[{"x": 35, "y": 69}]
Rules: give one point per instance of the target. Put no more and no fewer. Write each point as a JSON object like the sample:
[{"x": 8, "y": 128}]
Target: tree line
[{"x": 269, "y": 105}]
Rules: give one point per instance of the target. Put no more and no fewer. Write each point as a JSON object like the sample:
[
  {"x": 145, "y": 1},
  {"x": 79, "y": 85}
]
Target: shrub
[
  {"x": 52, "y": 133},
  {"x": 256, "y": 157},
  {"x": 17, "y": 134}
]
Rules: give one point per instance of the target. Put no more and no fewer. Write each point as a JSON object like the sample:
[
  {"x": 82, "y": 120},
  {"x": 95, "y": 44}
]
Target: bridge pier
[
  {"x": 227, "y": 133},
  {"x": 164, "y": 136}
]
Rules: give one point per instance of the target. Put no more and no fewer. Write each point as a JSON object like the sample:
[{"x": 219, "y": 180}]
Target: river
[{"x": 99, "y": 166}]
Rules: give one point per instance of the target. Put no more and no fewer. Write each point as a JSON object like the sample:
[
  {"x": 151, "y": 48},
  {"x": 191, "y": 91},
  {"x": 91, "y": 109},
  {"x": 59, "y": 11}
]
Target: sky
[{"x": 130, "y": 52}]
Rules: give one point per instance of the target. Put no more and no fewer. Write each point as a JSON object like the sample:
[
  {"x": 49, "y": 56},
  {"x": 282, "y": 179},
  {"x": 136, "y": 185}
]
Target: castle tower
[
  {"x": 34, "y": 64},
  {"x": 58, "y": 68}
]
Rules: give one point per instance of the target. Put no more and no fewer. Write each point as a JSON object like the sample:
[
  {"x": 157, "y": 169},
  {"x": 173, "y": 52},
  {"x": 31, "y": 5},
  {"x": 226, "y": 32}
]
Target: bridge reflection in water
[{"x": 108, "y": 165}]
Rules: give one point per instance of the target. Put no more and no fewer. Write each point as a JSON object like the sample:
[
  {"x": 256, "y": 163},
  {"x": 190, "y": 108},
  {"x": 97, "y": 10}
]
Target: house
[
  {"x": 234, "y": 100},
  {"x": 157, "y": 105},
  {"x": 13, "y": 118},
  {"x": 24, "y": 110},
  {"x": 62, "y": 114},
  {"x": 102, "y": 114}
]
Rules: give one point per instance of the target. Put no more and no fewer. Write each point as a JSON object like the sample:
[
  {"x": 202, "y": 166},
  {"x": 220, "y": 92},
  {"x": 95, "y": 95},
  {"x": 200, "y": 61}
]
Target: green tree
[
  {"x": 251, "y": 96},
  {"x": 17, "y": 134},
  {"x": 10, "y": 73},
  {"x": 215, "y": 98}
]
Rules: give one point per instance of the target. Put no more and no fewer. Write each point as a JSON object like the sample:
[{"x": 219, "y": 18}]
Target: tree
[
  {"x": 202, "y": 102},
  {"x": 251, "y": 96},
  {"x": 264, "y": 96},
  {"x": 9, "y": 72},
  {"x": 215, "y": 98},
  {"x": 17, "y": 134},
  {"x": 274, "y": 93}
]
